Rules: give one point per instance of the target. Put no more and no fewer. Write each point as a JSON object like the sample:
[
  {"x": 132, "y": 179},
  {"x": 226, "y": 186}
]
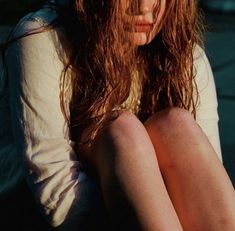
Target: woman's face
[{"x": 146, "y": 16}]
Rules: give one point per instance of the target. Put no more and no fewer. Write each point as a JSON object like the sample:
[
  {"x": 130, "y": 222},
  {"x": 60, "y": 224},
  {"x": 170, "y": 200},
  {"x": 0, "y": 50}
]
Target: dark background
[
  {"x": 18, "y": 214},
  {"x": 220, "y": 48}
]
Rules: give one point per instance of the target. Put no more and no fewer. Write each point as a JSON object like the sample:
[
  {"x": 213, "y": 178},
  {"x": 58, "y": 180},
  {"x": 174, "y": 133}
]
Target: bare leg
[
  {"x": 126, "y": 164},
  {"x": 198, "y": 185}
]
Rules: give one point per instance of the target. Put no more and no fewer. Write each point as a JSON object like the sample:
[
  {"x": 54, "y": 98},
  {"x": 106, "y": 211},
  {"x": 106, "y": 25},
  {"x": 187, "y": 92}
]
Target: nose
[{"x": 141, "y": 6}]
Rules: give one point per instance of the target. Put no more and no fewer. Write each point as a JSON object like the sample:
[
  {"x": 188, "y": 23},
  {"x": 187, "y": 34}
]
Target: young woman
[{"x": 114, "y": 112}]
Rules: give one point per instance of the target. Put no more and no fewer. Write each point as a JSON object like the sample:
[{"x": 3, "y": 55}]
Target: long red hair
[{"x": 104, "y": 61}]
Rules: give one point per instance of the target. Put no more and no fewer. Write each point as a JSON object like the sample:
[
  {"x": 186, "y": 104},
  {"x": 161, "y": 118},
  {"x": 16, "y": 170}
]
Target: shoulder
[
  {"x": 33, "y": 21},
  {"x": 203, "y": 72},
  {"x": 34, "y": 34},
  {"x": 201, "y": 62},
  {"x": 205, "y": 85},
  {"x": 202, "y": 66}
]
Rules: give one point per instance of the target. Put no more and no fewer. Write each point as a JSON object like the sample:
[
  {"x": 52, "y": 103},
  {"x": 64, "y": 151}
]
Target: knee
[
  {"x": 170, "y": 121},
  {"x": 123, "y": 138},
  {"x": 125, "y": 129},
  {"x": 170, "y": 129}
]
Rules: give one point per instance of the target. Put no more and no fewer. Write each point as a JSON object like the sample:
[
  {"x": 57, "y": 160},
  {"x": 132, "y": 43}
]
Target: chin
[{"x": 141, "y": 38}]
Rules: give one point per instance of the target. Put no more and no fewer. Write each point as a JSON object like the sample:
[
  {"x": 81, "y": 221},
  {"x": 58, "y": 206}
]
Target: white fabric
[
  {"x": 207, "y": 114},
  {"x": 50, "y": 164}
]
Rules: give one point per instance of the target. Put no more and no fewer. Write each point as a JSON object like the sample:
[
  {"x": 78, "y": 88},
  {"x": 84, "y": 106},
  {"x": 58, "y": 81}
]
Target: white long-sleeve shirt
[{"x": 51, "y": 168}]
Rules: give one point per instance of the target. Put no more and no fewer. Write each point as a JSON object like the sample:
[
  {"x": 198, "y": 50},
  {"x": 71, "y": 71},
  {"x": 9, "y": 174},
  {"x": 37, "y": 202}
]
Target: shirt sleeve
[
  {"x": 207, "y": 114},
  {"x": 40, "y": 131}
]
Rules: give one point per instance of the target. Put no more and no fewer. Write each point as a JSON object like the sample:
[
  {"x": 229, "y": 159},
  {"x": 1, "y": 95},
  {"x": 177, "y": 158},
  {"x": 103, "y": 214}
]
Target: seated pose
[{"x": 114, "y": 113}]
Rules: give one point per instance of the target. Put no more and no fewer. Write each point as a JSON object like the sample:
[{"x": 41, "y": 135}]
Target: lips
[
  {"x": 143, "y": 27},
  {"x": 138, "y": 25}
]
